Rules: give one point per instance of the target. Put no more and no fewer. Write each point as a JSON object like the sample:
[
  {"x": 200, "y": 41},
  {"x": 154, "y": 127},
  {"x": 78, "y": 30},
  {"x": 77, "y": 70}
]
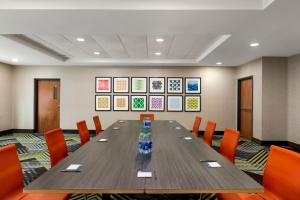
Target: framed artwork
[
  {"x": 156, "y": 85},
  {"x": 139, "y": 84},
  {"x": 103, "y": 84},
  {"x": 121, "y": 84},
  {"x": 175, "y": 85},
  {"x": 156, "y": 103},
  {"x": 192, "y": 85},
  {"x": 121, "y": 103},
  {"x": 103, "y": 102},
  {"x": 192, "y": 103},
  {"x": 139, "y": 103},
  {"x": 175, "y": 103}
]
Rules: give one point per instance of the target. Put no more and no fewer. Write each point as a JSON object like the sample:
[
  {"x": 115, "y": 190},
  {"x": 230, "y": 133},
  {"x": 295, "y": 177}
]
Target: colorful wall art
[
  {"x": 156, "y": 103},
  {"x": 139, "y": 84},
  {"x": 192, "y": 85},
  {"x": 103, "y": 84},
  {"x": 139, "y": 103},
  {"x": 103, "y": 103},
  {"x": 175, "y": 104},
  {"x": 175, "y": 85},
  {"x": 121, "y": 103},
  {"x": 192, "y": 103},
  {"x": 121, "y": 84},
  {"x": 156, "y": 85}
]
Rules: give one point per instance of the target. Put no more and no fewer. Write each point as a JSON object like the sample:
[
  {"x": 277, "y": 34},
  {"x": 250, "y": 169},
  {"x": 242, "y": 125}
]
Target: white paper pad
[
  {"x": 103, "y": 140},
  {"x": 142, "y": 174},
  {"x": 121, "y": 121},
  {"x": 74, "y": 167},
  {"x": 170, "y": 121},
  {"x": 116, "y": 128},
  {"x": 213, "y": 164},
  {"x": 178, "y": 127},
  {"x": 187, "y": 138}
]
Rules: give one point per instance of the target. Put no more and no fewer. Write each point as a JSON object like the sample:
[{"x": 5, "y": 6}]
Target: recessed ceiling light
[
  {"x": 254, "y": 44},
  {"x": 97, "y": 53},
  {"x": 160, "y": 39},
  {"x": 80, "y": 39},
  {"x": 15, "y": 60},
  {"x": 219, "y": 63},
  {"x": 158, "y": 53}
]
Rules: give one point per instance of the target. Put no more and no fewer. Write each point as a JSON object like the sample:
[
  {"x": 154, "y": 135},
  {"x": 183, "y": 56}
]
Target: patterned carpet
[{"x": 34, "y": 157}]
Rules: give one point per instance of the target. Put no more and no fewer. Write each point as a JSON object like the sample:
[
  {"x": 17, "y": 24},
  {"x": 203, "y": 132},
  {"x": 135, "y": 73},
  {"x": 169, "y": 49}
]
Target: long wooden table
[{"x": 111, "y": 167}]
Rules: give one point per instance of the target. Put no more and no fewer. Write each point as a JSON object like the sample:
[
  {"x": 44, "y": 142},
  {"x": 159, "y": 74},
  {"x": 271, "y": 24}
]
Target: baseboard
[
  {"x": 294, "y": 145},
  {"x": 277, "y": 143},
  {"x": 215, "y": 133},
  {"x": 5, "y": 132},
  {"x": 23, "y": 131},
  {"x": 70, "y": 131}
]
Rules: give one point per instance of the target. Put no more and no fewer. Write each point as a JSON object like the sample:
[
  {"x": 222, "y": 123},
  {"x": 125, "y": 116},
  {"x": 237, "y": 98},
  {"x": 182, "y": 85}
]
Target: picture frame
[
  {"x": 121, "y": 103},
  {"x": 138, "y": 84},
  {"x": 175, "y": 85},
  {"x": 175, "y": 103},
  {"x": 192, "y": 103},
  {"x": 121, "y": 84},
  {"x": 193, "y": 85},
  {"x": 138, "y": 103},
  {"x": 156, "y": 103},
  {"x": 102, "y": 102},
  {"x": 103, "y": 84},
  {"x": 156, "y": 85}
]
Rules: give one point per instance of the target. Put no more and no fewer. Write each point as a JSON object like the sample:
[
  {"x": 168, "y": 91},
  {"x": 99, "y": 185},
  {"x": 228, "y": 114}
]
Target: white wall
[
  {"x": 78, "y": 95},
  {"x": 293, "y": 114},
  {"x": 5, "y": 97},
  {"x": 254, "y": 68}
]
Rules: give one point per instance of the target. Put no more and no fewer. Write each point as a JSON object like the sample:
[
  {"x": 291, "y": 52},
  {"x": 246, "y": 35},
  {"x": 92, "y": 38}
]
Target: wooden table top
[{"x": 111, "y": 167}]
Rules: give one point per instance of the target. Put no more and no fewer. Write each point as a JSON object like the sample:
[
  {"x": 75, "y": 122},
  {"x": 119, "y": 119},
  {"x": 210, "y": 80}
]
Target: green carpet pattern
[{"x": 34, "y": 157}]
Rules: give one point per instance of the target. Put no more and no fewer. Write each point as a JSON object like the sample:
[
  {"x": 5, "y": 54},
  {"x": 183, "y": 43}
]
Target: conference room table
[{"x": 176, "y": 164}]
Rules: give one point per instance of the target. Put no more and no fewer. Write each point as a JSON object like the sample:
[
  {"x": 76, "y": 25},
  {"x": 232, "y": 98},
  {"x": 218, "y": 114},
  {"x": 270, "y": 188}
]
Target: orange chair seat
[
  {"x": 13, "y": 195},
  {"x": 44, "y": 196},
  {"x": 238, "y": 196}
]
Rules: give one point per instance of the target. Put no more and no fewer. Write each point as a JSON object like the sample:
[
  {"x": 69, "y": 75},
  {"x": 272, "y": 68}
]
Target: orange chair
[
  {"x": 97, "y": 123},
  {"x": 11, "y": 178},
  {"x": 209, "y": 132},
  {"x": 151, "y": 116},
  {"x": 281, "y": 177},
  {"x": 229, "y": 143},
  {"x": 57, "y": 146},
  {"x": 83, "y": 132},
  {"x": 196, "y": 126}
]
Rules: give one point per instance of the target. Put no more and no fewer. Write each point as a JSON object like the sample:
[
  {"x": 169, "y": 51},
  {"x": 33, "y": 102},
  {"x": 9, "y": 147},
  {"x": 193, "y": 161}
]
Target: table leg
[{"x": 106, "y": 197}]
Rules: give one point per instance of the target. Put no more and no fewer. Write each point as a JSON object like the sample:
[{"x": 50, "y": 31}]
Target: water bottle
[
  {"x": 141, "y": 143},
  {"x": 148, "y": 141},
  {"x": 145, "y": 141},
  {"x": 147, "y": 122}
]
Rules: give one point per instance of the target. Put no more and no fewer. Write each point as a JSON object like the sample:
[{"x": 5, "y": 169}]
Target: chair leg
[{"x": 106, "y": 197}]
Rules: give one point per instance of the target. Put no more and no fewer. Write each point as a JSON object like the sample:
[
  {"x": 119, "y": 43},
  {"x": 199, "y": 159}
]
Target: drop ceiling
[{"x": 195, "y": 32}]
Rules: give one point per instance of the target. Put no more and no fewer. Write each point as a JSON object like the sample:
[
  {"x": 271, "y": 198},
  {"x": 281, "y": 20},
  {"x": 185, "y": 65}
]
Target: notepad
[
  {"x": 170, "y": 121},
  {"x": 178, "y": 127},
  {"x": 116, "y": 128},
  {"x": 187, "y": 138},
  {"x": 121, "y": 121},
  {"x": 213, "y": 164},
  {"x": 141, "y": 174},
  {"x": 73, "y": 168},
  {"x": 103, "y": 140}
]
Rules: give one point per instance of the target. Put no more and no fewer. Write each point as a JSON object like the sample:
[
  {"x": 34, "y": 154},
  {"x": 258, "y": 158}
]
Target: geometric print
[
  {"x": 121, "y": 85},
  {"x": 192, "y": 103},
  {"x": 121, "y": 102},
  {"x": 174, "y": 85},
  {"x": 138, "y": 103},
  {"x": 157, "y": 103},
  {"x": 103, "y": 103}
]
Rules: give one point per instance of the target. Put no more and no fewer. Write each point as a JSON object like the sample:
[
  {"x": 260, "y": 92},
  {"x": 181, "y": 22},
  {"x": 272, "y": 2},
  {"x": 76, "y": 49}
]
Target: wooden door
[
  {"x": 48, "y": 105},
  {"x": 245, "y": 110}
]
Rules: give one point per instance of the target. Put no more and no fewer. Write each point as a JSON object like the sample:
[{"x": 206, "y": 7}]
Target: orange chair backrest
[
  {"x": 11, "y": 177},
  {"x": 282, "y": 174},
  {"x": 209, "y": 132},
  {"x": 57, "y": 146},
  {"x": 229, "y": 143},
  {"x": 151, "y": 116},
  {"x": 196, "y": 126},
  {"x": 83, "y": 132},
  {"x": 97, "y": 123}
]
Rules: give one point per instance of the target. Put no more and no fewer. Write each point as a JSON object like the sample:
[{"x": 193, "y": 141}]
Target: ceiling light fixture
[
  {"x": 158, "y": 53},
  {"x": 159, "y": 40},
  {"x": 219, "y": 63},
  {"x": 15, "y": 60},
  {"x": 97, "y": 53},
  {"x": 254, "y": 44},
  {"x": 80, "y": 39}
]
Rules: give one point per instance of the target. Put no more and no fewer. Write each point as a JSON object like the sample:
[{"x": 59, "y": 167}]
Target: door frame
[
  {"x": 239, "y": 102},
  {"x": 36, "y": 100}
]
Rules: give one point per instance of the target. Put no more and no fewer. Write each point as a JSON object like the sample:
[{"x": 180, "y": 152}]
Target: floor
[{"x": 32, "y": 151}]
